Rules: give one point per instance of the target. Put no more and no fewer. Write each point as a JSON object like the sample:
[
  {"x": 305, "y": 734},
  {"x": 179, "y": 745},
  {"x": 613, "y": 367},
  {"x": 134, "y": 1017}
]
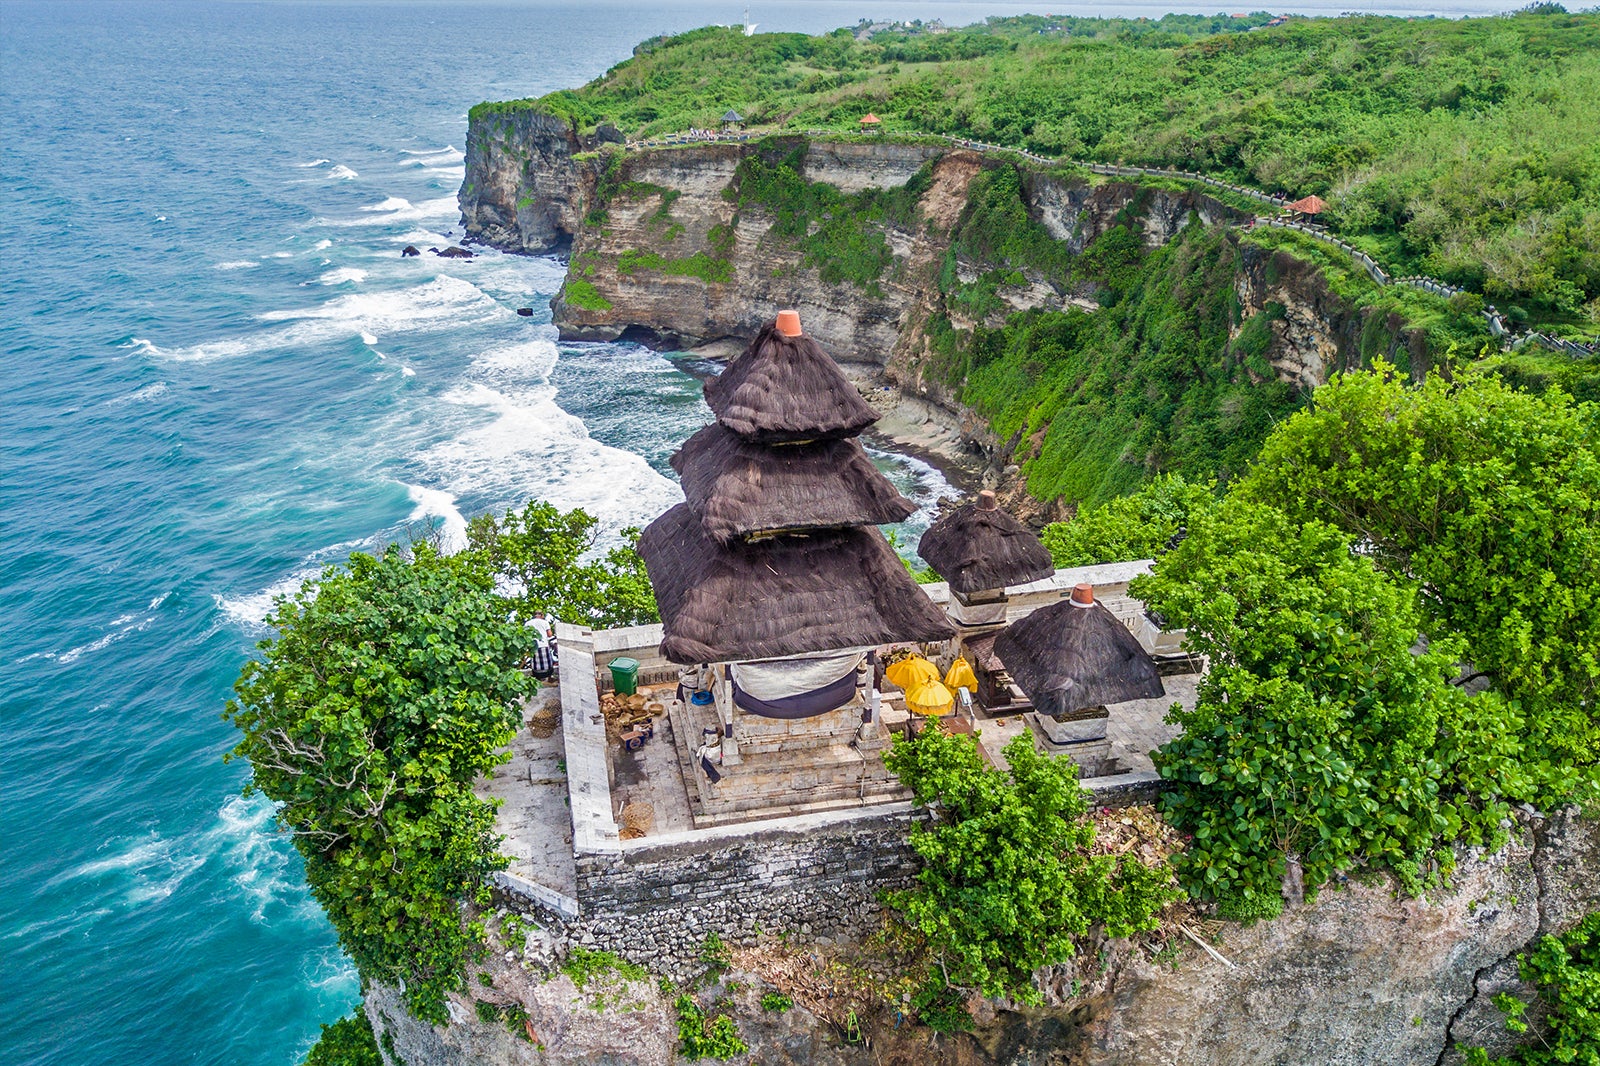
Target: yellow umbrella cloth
[
  {"x": 911, "y": 671},
  {"x": 960, "y": 675},
  {"x": 929, "y": 697}
]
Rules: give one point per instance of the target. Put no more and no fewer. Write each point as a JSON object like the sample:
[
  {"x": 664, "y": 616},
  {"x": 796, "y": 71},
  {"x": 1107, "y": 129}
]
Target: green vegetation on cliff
[
  {"x": 392, "y": 685},
  {"x": 1467, "y": 149},
  {"x": 1100, "y": 402},
  {"x": 1010, "y": 877}
]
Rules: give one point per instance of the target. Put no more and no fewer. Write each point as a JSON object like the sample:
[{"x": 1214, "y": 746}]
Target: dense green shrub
[
  {"x": 347, "y": 1042},
  {"x": 1137, "y": 526},
  {"x": 1565, "y": 972},
  {"x": 390, "y": 686},
  {"x": 1008, "y": 877},
  {"x": 1320, "y": 736},
  {"x": 1490, "y": 498},
  {"x": 703, "y": 1037},
  {"x": 542, "y": 558}
]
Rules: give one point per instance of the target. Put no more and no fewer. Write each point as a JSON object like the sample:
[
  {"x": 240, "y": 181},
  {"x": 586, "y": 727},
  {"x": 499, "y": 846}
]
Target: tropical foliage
[
  {"x": 390, "y": 686},
  {"x": 1320, "y": 736},
  {"x": 347, "y": 1042},
  {"x": 543, "y": 559},
  {"x": 1565, "y": 972},
  {"x": 1138, "y": 526},
  {"x": 1009, "y": 877},
  {"x": 1489, "y": 498}
]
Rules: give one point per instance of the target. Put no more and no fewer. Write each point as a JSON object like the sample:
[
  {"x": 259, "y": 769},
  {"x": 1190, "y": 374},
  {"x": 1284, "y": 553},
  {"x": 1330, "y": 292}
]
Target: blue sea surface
[{"x": 220, "y": 377}]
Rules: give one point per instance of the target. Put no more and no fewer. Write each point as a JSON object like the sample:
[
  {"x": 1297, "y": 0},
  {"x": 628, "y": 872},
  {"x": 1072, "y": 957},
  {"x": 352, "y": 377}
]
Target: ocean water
[{"x": 220, "y": 377}]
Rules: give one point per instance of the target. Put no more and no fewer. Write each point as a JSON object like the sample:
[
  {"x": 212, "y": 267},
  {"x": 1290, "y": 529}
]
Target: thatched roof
[
  {"x": 978, "y": 546},
  {"x": 737, "y": 487},
  {"x": 782, "y": 596},
  {"x": 1068, "y": 657},
  {"x": 787, "y": 388},
  {"x": 732, "y": 116}
]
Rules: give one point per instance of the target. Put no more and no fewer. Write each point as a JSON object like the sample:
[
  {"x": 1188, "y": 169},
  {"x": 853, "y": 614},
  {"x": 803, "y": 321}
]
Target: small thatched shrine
[
  {"x": 773, "y": 571},
  {"x": 979, "y": 549},
  {"x": 1072, "y": 659}
]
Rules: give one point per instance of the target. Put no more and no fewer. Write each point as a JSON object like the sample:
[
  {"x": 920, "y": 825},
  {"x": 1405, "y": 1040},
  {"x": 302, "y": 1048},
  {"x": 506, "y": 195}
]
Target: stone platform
[{"x": 784, "y": 768}]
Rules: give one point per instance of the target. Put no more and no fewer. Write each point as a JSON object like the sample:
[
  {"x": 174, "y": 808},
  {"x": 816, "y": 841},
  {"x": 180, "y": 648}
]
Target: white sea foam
[
  {"x": 393, "y": 203},
  {"x": 449, "y": 150},
  {"x": 441, "y": 301},
  {"x": 342, "y": 275},
  {"x": 249, "y": 612},
  {"x": 278, "y": 255},
  {"x": 120, "y": 627},
  {"x": 437, "y": 503},
  {"x": 152, "y": 867},
  {"x": 144, "y": 395},
  {"x": 343, "y": 173},
  {"x": 315, "y": 163},
  {"x": 406, "y": 371},
  {"x": 395, "y": 209},
  {"x": 368, "y": 338},
  {"x": 322, "y": 245},
  {"x": 530, "y": 447},
  {"x": 238, "y": 264}
]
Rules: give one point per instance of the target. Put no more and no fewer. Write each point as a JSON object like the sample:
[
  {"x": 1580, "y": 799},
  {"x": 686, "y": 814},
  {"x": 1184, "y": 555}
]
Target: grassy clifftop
[{"x": 1467, "y": 149}]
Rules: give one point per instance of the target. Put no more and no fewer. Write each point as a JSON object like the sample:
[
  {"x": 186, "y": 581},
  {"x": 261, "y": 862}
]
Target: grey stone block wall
[{"x": 656, "y": 903}]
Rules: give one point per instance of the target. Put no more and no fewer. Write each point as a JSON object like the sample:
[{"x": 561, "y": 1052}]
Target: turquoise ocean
[{"x": 220, "y": 377}]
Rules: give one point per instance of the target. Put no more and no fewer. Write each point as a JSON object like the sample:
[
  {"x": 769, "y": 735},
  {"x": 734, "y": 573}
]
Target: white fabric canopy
[{"x": 776, "y": 679}]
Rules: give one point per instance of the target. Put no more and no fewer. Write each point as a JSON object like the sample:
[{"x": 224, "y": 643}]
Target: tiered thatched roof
[
  {"x": 738, "y": 488},
  {"x": 784, "y": 389},
  {"x": 978, "y": 546},
  {"x": 787, "y": 595},
  {"x": 1073, "y": 655},
  {"x": 775, "y": 552}
]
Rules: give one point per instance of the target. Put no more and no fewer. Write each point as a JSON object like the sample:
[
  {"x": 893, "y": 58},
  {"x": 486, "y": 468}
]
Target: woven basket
[
  {"x": 638, "y": 816},
  {"x": 545, "y": 720}
]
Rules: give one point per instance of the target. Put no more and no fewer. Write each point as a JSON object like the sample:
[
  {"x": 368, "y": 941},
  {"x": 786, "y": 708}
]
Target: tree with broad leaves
[
  {"x": 1489, "y": 499},
  {"x": 391, "y": 685}
]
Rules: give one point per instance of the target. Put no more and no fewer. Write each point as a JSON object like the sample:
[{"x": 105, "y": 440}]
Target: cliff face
[
  {"x": 523, "y": 190},
  {"x": 1357, "y": 978},
  {"x": 699, "y": 244}
]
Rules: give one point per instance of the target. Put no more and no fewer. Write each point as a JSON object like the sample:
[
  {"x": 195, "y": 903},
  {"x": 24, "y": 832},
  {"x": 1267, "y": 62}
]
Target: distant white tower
[{"x": 749, "y": 27}]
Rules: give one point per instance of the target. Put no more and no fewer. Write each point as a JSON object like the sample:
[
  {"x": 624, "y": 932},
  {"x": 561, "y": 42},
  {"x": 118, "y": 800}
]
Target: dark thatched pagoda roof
[
  {"x": 784, "y": 596},
  {"x": 785, "y": 389},
  {"x": 1068, "y": 658},
  {"x": 738, "y": 488},
  {"x": 979, "y": 546}
]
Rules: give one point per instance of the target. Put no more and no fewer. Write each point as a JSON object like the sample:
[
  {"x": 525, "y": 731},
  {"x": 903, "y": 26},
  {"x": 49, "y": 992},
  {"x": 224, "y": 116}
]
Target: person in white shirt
[{"x": 544, "y": 654}]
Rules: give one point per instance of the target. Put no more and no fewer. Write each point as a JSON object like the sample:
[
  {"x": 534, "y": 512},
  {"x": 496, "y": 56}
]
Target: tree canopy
[
  {"x": 1321, "y": 735},
  {"x": 390, "y": 686},
  {"x": 1489, "y": 499},
  {"x": 1009, "y": 877},
  {"x": 544, "y": 559}
]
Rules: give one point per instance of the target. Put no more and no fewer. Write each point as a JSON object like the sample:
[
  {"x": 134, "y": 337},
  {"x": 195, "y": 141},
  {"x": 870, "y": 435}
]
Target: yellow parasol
[
  {"x": 911, "y": 670},
  {"x": 960, "y": 675},
  {"x": 920, "y": 680},
  {"x": 930, "y": 698}
]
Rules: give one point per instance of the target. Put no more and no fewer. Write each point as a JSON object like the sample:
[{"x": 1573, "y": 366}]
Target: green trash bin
[{"x": 625, "y": 676}]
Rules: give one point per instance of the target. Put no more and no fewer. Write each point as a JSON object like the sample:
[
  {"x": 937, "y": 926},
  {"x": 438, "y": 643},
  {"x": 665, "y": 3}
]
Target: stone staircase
[{"x": 785, "y": 768}]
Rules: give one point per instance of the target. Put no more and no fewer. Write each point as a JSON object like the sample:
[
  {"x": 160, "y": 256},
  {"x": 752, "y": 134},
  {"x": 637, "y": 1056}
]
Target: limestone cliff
[
  {"x": 684, "y": 247},
  {"x": 1361, "y": 977}
]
